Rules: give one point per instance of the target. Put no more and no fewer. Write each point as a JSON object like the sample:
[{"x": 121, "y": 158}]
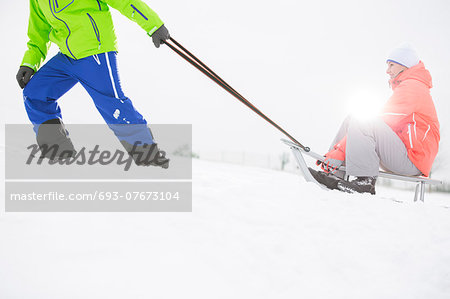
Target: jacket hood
[{"x": 417, "y": 72}]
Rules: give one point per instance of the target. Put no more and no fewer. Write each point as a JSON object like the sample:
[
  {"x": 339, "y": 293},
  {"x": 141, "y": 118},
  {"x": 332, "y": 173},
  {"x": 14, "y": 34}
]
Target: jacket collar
[{"x": 417, "y": 72}]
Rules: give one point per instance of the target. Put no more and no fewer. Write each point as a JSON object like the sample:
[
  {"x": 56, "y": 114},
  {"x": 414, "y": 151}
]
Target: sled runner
[{"x": 299, "y": 153}]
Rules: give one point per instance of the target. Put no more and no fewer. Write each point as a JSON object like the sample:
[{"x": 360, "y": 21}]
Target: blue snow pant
[{"x": 98, "y": 74}]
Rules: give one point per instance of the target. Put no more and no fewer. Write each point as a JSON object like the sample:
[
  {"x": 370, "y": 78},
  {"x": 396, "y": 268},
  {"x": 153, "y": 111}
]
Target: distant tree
[
  {"x": 284, "y": 158},
  {"x": 185, "y": 151}
]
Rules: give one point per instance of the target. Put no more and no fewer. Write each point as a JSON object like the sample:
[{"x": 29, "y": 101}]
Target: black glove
[
  {"x": 24, "y": 75},
  {"x": 160, "y": 35}
]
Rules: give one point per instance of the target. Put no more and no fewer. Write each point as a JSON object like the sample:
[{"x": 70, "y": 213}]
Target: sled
[
  {"x": 297, "y": 149},
  {"x": 299, "y": 153}
]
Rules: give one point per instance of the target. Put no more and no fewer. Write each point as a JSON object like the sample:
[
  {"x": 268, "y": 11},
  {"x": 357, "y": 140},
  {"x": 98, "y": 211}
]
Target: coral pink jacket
[{"x": 411, "y": 114}]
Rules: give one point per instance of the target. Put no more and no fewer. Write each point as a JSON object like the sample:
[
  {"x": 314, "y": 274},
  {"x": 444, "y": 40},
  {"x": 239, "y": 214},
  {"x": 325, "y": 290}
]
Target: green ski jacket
[{"x": 80, "y": 28}]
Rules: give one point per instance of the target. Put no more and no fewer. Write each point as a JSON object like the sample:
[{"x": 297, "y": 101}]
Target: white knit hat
[{"x": 405, "y": 55}]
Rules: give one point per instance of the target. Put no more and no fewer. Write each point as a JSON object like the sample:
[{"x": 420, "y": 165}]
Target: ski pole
[
  {"x": 197, "y": 63},
  {"x": 203, "y": 65}
]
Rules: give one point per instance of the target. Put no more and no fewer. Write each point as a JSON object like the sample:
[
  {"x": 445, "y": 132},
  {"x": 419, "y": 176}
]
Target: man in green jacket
[{"x": 84, "y": 33}]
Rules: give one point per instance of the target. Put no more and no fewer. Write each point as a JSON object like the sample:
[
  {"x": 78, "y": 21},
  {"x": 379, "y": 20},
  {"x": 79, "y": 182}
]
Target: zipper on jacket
[
  {"x": 415, "y": 131},
  {"x": 425, "y": 135},
  {"x": 409, "y": 133},
  {"x": 135, "y": 9},
  {"x": 97, "y": 32},
  {"x": 56, "y": 4},
  {"x": 54, "y": 12}
]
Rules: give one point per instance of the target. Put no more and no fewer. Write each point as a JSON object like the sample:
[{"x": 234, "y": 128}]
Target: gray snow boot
[
  {"x": 146, "y": 154},
  {"x": 359, "y": 185},
  {"x": 53, "y": 141},
  {"x": 327, "y": 179}
]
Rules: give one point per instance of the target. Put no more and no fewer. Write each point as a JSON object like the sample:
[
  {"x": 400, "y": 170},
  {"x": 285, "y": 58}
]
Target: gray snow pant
[{"x": 372, "y": 144}]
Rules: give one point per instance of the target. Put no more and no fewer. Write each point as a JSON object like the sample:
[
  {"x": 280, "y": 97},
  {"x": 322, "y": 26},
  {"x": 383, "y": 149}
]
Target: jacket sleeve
[
  {"x": 38, "y": 34},
  {"x": 139, "y": 12},
  {"x": 338, "y": 150}
]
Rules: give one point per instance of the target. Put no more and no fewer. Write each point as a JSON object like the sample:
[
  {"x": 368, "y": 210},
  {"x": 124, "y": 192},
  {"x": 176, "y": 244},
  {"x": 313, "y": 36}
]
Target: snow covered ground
[{"x": 253, "y": 233}]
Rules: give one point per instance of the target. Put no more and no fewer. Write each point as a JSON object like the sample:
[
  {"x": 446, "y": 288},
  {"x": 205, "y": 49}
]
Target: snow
[{"x": 253, "y": 233}]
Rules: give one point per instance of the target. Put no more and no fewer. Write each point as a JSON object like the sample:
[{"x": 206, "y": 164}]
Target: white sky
[{"x": 300, "y": 62}]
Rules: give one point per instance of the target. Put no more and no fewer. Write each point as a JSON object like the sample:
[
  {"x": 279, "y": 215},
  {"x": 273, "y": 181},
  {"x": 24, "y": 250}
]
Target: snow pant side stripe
[
  {"x": 96, "y": 59},
  {"x": 111, "y": 75}
]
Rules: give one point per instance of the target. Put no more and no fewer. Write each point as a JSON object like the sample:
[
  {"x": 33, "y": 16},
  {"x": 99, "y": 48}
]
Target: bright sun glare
[{"x": 364, "y": 105}]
